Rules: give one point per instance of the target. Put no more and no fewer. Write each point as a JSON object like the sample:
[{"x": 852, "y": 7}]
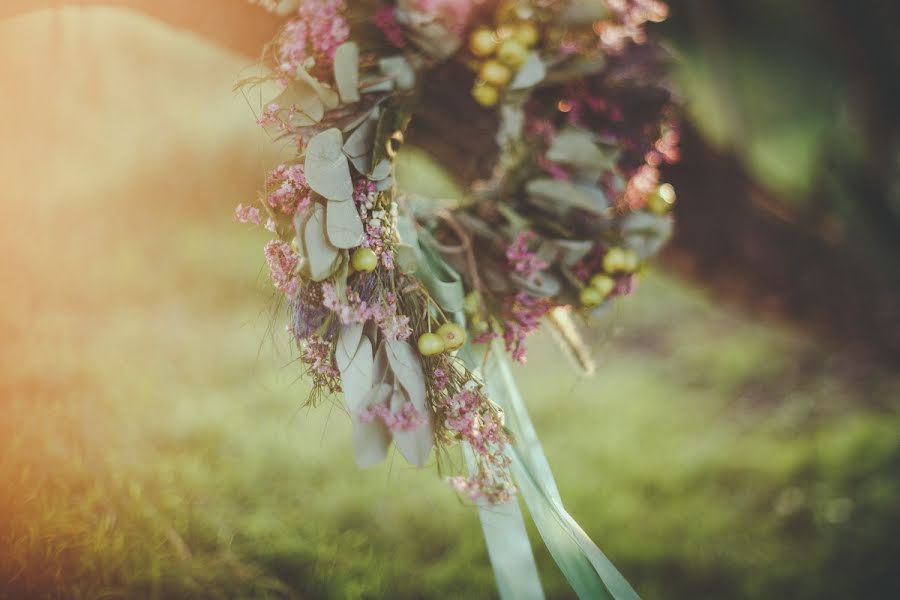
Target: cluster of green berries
[
  {"x": 501, "y": 53},
  {"x": 616, "y": 261},
  {"x": 448, "y": 337}
]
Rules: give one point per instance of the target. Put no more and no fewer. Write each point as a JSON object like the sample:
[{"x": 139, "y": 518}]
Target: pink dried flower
[
  {"x": 406, "y": 419},
  {"x": 317, "y": 354},
  {"x": 522, "y": 315},
  {"x": 315, "y": 34},
  {"x": 522, "y": 260},
  {"x": 383, "y": 313},
  {"x": 288, "y": 191},
  {"x": 484, "y": 487},
  {"x": 282, "y": 262},
  {"x": 246, "y": 214},
  {"x": 470, "y": 415},
  {"x": 386, "y": 20},
  {"x": 441, "y": 379}
]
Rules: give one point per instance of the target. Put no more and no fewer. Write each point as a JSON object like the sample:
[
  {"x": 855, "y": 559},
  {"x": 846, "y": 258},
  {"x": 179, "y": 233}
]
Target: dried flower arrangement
[{"x": 396, "y": 303}]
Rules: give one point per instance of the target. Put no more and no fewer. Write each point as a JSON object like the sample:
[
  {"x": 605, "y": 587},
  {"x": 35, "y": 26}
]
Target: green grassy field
[{"x": 152, "y": 442}]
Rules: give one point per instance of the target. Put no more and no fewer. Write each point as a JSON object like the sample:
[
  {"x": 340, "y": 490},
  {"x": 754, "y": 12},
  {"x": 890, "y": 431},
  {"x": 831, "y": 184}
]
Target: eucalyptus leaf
[
  {"x": 568, "y": 194},
  {"x": 301, "y": 218},
  {"x": 576, "y": 148},
  {"x": 346, "y": 71},
  {"x": 381, "y": 170},
  {"x": 576, "y": 67},
  {"x": 326, "y": 168},
  {"x": 571, "y": 251},
  {"x": 320, "y": 253},
  {"x": 377, "y": 86},
  {"x": 360, "y": 141},
  {"x": 344, "y": 226},
  {"x": 348, "y": 343},
  {"x": 385, "y": 184},
  {"x": 541, "y": 285},
  {"x": 531, "y": 73},
  {"x": 327, "y": 95},
  {"x": 645, "y": 233},
  {"x": 398, "y": 69},
  {"x": 407, "y": 366}
]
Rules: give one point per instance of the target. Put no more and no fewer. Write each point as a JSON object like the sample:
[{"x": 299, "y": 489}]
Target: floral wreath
[{"x": 409, "y": 306}]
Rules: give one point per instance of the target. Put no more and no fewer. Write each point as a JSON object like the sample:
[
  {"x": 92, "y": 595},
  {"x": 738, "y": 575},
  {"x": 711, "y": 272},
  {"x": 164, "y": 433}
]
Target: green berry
[
  {"x": 630, "y": 261},
  {"x": 453, "y": 335},
  {"x": 512, "y": 53},
  {"x": 614, "y": 260},
  {"x": 590, "y": 297},
  {"x": 482, "y": 42},
  {"x": 365, "y": 260},
  {"x": 495, "y": 73},
  {"x": 430, "y": 344},
  {"x": 485, "y": 95},
  {"x": 526, "y": 34},
  {"x": 603, "y": 284}
]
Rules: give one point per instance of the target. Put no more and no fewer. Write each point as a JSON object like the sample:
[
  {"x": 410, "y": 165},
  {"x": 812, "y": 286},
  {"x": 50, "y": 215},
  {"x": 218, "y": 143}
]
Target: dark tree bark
[{"x": 738, "y": 241}]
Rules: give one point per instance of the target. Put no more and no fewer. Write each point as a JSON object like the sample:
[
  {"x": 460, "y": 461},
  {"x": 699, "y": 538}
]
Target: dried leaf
[
  {"x": 345, "y": 228},
  {"x": 308, "y": 107},
  {"x": 326, "y": 167},
  {"x": 415, "y": 445},
  {"x": 346, "y": 71},
  {"x": 371, "y": 440},
  {"x": 407, "y": 367},
  {"x": 327, "y": 95},
  {"x": 356, "y": 376},
  {"x": 320, "y": 253},
  {"x": 381, "y": 372}
]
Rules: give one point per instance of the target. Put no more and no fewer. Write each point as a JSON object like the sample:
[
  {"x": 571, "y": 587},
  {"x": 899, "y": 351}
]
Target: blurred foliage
[
  {"x": 806, "y": 94},
  {"x": 151, "y": 443}
]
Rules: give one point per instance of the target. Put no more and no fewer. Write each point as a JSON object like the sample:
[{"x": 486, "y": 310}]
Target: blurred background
[{"x": 741, "y": 438}]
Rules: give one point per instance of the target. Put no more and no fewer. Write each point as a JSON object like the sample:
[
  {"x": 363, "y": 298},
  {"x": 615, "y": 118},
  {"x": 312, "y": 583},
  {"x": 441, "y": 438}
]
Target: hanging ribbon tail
[
  {"x": 508, "y": 547},
  {"x": 587, "y": 569}
]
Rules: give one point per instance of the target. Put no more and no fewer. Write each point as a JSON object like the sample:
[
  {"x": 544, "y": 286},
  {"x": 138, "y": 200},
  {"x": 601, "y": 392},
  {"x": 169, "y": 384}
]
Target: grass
[{"x": 152, "y": 445}]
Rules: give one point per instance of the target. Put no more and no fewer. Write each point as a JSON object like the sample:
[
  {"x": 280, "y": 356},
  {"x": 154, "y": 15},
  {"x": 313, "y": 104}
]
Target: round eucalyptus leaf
[{"x": 326, "y": 168}]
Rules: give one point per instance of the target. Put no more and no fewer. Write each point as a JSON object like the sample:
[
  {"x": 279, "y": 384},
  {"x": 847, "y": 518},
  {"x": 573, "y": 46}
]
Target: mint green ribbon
[{"x": 587, "y": 569}]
